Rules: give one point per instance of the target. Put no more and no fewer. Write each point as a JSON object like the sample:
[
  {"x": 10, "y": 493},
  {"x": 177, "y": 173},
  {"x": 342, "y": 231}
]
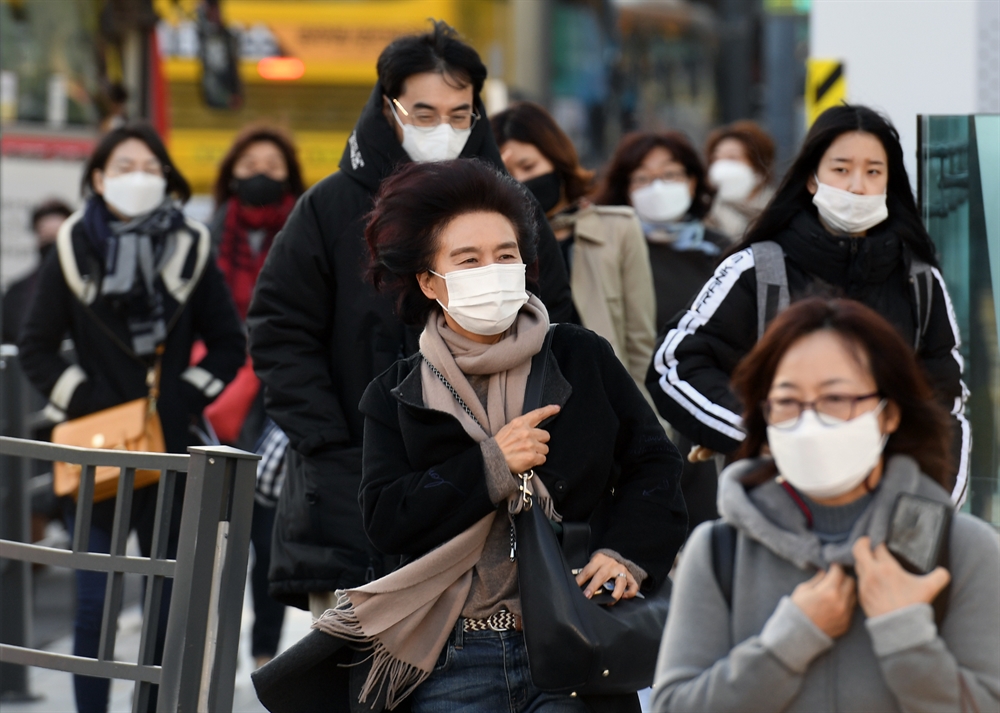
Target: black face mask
[
  {"x": 259, "y": 190},
  {"x": 547, "y": 189}
]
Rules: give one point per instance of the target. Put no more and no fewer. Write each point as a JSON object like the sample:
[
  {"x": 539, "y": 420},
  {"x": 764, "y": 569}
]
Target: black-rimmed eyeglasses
[{"x": 831, "y": 409}]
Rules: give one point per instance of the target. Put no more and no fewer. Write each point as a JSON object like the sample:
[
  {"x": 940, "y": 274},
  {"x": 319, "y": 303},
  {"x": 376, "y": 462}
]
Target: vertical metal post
[
  {"x": 206, "y": 606},
  {"x": 784, "y": 75},
  {"x": 734, "y": 69},
  {"x": 15, "y": 509}
]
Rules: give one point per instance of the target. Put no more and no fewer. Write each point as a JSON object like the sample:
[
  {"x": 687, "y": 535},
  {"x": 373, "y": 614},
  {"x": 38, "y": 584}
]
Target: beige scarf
[{"x": 405, "y": 618}]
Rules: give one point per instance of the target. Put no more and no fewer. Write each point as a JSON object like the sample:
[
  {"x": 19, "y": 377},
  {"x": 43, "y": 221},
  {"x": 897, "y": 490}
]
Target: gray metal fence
[{"x": 209, "y": 573}]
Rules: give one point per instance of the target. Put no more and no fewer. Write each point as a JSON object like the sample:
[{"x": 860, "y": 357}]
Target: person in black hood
[
  {"x": 319, "y": 333},
  {"x": 844, "y": 224}
]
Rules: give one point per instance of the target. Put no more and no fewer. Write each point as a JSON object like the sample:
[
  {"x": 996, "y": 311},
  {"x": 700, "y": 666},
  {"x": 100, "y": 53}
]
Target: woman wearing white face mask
[
  {"x": 740, "y": 158},
  {"x": 445, "y": 437},
  {"x": 794, "y": 601},
  {"x": 662, "y": 178},
  {"x": 133, "y": 283},
  {"x": 843, "y": 223}
]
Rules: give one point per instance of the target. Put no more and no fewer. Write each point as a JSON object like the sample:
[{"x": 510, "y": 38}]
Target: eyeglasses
[
  {"x": 831, "y": 410},
  {"x": 428, "y": 119},
  {"x": 643, "y": 180},
  {"x": 122, "y": 166}
]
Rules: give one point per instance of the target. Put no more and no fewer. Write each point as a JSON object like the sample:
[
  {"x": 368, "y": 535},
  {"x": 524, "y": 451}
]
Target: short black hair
[
  {"x": 53, "y": 206},
  {"x": 98, "y": 161},
  {"x": 439, "y": 51},
  {"x": 415, "y": 204}
]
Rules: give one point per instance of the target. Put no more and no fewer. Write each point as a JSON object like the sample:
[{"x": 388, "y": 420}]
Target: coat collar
[
  {"x": 180, "y": 272},
  {"x": 585, "y": 221},
  {"x": 410, "y": 391}
]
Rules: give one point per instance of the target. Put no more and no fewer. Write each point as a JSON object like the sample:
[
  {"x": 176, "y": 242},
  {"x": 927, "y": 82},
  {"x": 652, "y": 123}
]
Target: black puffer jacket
[
  {"x": 698, "y": 350},
  {"x": 197, "y": 305},
  {"x": 319, "y": 333},
  {"x": 608, "y": 463}
]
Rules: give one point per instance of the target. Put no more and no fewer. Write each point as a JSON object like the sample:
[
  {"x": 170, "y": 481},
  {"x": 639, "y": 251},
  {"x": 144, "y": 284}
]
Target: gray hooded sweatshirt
[{"x": 767, "y": 655}]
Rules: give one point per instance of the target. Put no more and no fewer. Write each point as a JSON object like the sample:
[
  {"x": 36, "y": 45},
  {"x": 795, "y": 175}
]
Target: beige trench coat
[{"x": 612, "y": 282}]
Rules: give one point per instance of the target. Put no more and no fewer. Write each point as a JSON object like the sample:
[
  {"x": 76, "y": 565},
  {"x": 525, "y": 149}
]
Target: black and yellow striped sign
[{"x": 826, "y": 86}]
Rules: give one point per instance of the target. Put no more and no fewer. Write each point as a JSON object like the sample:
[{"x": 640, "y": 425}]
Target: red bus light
[{"x": 281, "y": 68}]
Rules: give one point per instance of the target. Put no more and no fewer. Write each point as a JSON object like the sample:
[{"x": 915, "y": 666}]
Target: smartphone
[{"x": 918, "y": 532}]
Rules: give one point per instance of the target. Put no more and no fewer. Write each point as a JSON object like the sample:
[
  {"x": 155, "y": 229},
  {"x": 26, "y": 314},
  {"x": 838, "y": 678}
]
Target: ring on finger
[{"x": 621, "y": 574}]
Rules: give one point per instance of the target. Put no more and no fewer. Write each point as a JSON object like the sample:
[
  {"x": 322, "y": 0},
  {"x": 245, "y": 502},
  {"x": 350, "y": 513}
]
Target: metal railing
[{"x": 198, "y": 668}]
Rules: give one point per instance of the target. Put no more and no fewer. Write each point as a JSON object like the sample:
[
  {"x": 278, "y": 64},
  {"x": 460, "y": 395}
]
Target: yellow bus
[{"x": 306, "y": 65}]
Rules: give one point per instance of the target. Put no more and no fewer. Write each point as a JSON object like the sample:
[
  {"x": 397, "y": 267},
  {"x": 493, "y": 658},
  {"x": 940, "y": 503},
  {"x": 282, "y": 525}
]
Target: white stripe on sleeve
[
  {"x": 66, "y": 385},
  {"x": 960, "y": 492},
  {"x": 702, "y": 310},
  {"x": 203, "y": 380}
]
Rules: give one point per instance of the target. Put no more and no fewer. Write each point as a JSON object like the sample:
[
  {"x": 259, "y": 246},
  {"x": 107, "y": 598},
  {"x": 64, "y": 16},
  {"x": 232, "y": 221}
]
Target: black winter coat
[
  {"x": 679, "y": 274},
  {"x": 197, "y": 305},
  {"x": 319, "y": 333},
  {"x": 698, "y": 349},
  {"x": 609, "y": 461}
]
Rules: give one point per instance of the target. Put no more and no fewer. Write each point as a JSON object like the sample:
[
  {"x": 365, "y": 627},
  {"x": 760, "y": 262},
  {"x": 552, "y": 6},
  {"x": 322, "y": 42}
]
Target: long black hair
[{"x": 793, "y": 196}]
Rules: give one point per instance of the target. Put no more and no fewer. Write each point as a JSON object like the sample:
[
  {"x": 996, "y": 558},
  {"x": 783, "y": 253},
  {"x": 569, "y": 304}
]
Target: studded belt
[{"x": 503, "y": 620}]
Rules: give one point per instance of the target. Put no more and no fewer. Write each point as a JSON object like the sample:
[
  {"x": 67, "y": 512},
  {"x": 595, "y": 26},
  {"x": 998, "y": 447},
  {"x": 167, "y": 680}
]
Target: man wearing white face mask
[
  {"x": 740, "y": 158},
  {"x": 844, "y": 223},
  {"x": 320, "y": 333}
]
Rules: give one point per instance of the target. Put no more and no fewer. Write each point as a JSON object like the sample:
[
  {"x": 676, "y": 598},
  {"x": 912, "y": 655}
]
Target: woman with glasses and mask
[
  {"x": 132, "y": 282},
  {"x": 843, "y": 223},
  {"x": 446, "y": 437},
  {"x": 798, "y": 599},
  {"x": 662, "y": 178},
  {"x": 603, "y": 246}
]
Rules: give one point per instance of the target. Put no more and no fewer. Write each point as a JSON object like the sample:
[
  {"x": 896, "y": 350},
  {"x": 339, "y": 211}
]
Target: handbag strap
[
  {"x": 536, "y": 377},
  {"x": 153, "y": 379}
]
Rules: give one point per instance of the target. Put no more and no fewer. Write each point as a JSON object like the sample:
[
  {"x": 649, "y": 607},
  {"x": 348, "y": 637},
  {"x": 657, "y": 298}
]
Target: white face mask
[
  {"x": 134, "y": 193},
  {"x": 438, "y": 143},
  {"x": 849, "y": 212},
  {"x": 485, "y": 300},
  {"x": 661, "y": 201},
  {"x": 734, "y": 179},
  {"x": 826, "y": 461}
]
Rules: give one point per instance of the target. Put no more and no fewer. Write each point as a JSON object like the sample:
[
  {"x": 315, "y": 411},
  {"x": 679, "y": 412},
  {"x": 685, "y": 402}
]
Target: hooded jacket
[
  {"x": 700, "y": 347},
  {"x": 767, "y": 655},
  {"x": 319, "y": 333}
]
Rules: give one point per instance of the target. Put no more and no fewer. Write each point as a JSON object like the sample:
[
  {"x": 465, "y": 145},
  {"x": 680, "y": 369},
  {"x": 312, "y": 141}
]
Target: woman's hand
[
  {"x": 828, "y": 599},
  {"x": 601, "y": 569},
  {"x": 884, "y": 586},
  {"x": 700, "y": 454},
  {"x": 522, "y": 443}
]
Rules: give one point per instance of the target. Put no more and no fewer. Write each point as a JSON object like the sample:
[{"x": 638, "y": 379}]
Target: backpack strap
[
  {"x": 772, "y": 282},
  {"x": 724, "y": 558},
  {"x": 922, "y": 281}
]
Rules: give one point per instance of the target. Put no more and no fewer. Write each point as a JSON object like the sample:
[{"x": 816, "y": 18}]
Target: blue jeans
[
  {"x": 92, "y": 693},
  {"x": 487, "y": 672}
]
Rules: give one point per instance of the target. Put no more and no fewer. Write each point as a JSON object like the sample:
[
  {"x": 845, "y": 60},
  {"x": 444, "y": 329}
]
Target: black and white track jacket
[{"x": 698, "y": 350}]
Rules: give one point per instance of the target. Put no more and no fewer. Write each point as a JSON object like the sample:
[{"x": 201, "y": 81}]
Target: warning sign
[{"x": 826, "y": 86}]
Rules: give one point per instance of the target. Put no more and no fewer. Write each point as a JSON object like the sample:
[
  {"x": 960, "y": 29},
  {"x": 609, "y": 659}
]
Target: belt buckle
[{"x": 495, "y": 621}]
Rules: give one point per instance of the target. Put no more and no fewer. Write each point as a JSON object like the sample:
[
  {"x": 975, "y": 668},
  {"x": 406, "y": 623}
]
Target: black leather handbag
[{"x": 576, "y": 645}]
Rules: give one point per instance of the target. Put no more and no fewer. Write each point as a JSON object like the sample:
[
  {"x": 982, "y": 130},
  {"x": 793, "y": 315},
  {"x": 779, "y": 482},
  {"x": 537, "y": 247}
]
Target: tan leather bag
[{"x": 131, "y": 426}]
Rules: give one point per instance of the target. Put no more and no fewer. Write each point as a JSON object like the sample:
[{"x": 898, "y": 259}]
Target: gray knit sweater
[{"x": 767, "y": 655}]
